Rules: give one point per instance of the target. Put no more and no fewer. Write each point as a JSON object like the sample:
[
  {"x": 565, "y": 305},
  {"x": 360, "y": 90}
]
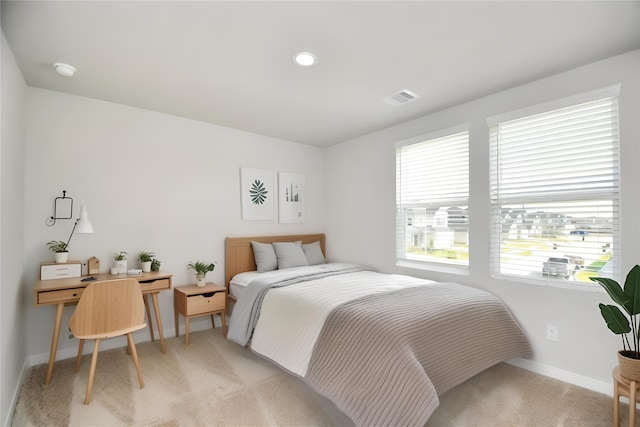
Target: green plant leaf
[
  {"x": 201, "y": 267},
  {"x": 614, "y": 290},
  {"x": 632, "y": 290},
  {"x": 258, "y": 192},
  {"x": 616, "y": 320}
]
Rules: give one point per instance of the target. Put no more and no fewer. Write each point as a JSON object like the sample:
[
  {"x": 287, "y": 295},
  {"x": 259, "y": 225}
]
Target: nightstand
[{"x": 193, "y": 301}]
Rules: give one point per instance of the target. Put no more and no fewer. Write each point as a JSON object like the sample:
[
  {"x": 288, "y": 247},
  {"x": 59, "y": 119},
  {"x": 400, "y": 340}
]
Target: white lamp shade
[{"x": 84, "y": 225}]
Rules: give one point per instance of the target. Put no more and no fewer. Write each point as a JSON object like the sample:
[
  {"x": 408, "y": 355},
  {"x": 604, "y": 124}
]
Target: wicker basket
[{"x": 629, "y": 367}]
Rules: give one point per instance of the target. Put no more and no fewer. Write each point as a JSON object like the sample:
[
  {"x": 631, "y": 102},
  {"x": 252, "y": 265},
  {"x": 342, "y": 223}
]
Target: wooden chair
[
  {"x": 624, "y": 387},
  {"x": 108, "y": 309}
]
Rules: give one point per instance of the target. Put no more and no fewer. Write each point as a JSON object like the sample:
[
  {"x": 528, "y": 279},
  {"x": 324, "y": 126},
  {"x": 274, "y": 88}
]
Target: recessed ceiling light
[
  {"x": 64, "y": 70},
  {"x": 305, "y": 59}
]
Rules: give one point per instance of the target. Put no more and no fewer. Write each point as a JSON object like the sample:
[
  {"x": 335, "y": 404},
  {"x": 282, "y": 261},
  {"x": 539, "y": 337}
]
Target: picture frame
[
  {"x": 292, "y": 198},
  {"x": 257, "y": 194}
]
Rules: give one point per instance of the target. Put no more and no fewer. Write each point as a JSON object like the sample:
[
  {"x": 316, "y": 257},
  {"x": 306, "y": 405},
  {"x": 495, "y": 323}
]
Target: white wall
[
  {"x": 150, "y": 182},
  {"x": 360, "y": 214},
  {"x": 13, "y": 292}
]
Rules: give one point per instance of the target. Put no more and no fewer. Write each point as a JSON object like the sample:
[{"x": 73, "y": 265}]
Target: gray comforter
[{"x": 383, "y": 359}]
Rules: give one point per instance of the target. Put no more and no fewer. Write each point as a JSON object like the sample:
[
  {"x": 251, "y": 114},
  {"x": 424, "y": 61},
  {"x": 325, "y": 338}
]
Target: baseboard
[
  {"x": 16, "y": 393},
  {"x": 566, "y": 376}
]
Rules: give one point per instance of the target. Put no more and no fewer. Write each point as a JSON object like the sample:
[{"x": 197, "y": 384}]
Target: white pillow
[
  {"x": 243, "y": 279},
  {"x": 289, "y": 254},
  {"x": 265, "y": 256},
  {"x": 313, "y": 253}
]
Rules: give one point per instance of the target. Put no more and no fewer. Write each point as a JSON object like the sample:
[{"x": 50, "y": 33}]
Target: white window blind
[
  {"x": 555, "y": 194},
  {"x": 432, "y": 198}
]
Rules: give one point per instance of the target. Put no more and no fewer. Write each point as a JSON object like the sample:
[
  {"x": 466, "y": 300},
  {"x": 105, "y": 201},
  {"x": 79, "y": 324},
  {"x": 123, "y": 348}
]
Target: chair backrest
[{"x": 109, "y": 308}]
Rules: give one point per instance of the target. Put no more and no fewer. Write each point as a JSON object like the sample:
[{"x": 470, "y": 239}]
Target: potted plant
[
  {"x": 201, "y": 269},
  {"x": 59, "y": 249},
  {"x": 626, "y": 324},
  {"x": 155, "y": 264},
  {"x": 120, "y": 259},
  {"x": 145, "y": 259}
]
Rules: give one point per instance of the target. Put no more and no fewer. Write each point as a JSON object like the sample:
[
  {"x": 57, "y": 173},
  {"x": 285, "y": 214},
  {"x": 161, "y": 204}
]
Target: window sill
[
  {"x": 462, "y": 270},
  {"x": 562, "y": 284}
]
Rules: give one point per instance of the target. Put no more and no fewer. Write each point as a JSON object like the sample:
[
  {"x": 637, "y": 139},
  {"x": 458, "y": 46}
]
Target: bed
[{"x": 381, "y": 347}]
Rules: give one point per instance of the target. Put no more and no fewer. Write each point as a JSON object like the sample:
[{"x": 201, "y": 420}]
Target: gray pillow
[
  {"x": 265, "y": 256},
  {"x": 289, "y": 254},
  {"x": 313, "y": 253}
]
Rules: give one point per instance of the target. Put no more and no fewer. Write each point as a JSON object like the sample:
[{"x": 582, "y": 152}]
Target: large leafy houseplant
[{"x": 626, "y": 324}]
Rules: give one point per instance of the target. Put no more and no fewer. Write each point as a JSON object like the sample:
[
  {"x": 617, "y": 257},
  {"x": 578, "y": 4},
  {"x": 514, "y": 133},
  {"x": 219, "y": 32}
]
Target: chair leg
[
  {"x": 136, "y": 362},
  {"x": 92, "y": 371},
  {"x": 79, "y": 357}
]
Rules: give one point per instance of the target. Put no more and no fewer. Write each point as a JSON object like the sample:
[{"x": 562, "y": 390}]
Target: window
[
  {"x": 432, "y": 199},
  {"x": 555, "y": 193}
]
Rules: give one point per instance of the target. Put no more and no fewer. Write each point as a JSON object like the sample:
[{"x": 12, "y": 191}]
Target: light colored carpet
[{"x": 216, "y": 382}]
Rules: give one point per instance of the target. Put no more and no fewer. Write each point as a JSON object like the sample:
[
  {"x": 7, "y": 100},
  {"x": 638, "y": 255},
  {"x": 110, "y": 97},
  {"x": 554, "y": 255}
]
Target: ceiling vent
[{"x": 401, "y": 98}]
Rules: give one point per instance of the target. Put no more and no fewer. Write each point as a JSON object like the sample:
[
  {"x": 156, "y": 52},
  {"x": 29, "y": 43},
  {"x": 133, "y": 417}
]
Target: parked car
[{"x": 558, "y": 267}]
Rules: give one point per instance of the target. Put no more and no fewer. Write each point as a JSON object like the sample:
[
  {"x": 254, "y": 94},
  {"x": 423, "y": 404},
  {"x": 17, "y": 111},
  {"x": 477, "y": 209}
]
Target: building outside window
[
  {"x": 555, "y": 192},
  {"x": 432, "y": 191}
]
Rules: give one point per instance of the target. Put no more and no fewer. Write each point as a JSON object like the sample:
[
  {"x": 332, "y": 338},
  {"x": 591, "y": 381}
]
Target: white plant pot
[
  {"x": 200, "y": 280},
  {"x": 61, "y": 257},
  {"x": 146, "y": 266},
  {"x": 122, "y": 266}
]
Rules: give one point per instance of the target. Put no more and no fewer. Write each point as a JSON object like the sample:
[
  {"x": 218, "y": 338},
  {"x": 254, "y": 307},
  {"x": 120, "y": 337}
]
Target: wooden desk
[{"x": 67, "y": 291}]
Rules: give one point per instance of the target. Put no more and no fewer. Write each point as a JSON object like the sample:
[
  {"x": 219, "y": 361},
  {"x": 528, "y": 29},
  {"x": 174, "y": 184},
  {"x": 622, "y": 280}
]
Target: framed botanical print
[{"x": 257, "y": 194}]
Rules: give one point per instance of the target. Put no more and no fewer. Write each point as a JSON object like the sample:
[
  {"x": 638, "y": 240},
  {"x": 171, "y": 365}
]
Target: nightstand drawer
[
  {"x": 154, "y": 284},
  {"x": 62, "y": 295},
  {"x": 205, "y": 303}
]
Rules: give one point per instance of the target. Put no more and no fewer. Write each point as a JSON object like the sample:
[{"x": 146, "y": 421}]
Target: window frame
[
  {"x": 401, "y": 218},
  {"x": 613, "y": 91}
]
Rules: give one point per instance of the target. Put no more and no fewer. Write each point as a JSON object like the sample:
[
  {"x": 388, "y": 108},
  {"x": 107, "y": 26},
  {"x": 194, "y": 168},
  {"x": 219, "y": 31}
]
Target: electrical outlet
[{"x": 553, "y": 333}]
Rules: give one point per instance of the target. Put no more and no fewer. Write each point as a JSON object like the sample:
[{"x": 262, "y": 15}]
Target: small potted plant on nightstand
[
  {"x": 145, "y": 259},
  {"x": 120, "y": 259},
  {"x": 201, "y": 269},
  {"x": 59, "y": 249}
]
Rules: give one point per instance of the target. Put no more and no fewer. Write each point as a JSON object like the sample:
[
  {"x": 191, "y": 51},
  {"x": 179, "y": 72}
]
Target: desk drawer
[
  {"x": 60, "y": 271},
  {"x": 205, "y": 303},
  {"x": 62, "y": 295},
  {"x": 155, "y": 284}
]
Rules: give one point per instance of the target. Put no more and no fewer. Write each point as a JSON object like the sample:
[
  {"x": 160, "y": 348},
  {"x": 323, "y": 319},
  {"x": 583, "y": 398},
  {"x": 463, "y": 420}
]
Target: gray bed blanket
[{"x": 384, "y": 359}]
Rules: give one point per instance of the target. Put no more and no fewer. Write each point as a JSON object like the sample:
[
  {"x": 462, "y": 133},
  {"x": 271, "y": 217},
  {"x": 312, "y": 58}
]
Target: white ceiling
[{"x": 230, "y": 63}]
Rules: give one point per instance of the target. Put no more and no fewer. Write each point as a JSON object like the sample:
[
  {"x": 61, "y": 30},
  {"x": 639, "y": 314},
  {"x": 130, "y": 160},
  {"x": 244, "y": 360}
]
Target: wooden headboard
[{"x": 239, "y": 253}]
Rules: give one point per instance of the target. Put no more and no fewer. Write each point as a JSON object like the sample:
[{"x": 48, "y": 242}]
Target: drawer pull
[{"x": 205, "y": 295}]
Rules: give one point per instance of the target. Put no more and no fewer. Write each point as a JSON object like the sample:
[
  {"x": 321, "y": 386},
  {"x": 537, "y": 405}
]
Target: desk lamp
[{"x": 82, "y": 224}]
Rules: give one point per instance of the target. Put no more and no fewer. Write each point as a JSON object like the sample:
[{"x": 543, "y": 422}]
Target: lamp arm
[{"x": 72, "y": 230}]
